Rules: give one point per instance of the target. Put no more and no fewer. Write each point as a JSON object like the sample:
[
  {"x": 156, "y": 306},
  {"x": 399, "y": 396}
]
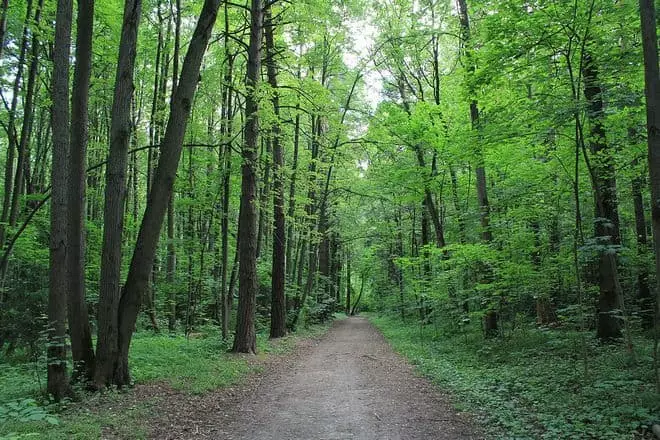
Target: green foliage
[
  {"x": 534, "y": 385},
  {"x": 196, "y": 364},
  {"x": 25, "y": 410}
]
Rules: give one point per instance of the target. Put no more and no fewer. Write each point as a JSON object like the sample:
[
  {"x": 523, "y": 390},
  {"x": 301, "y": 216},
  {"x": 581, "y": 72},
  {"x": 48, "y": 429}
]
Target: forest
[{"x": 186, "y": 181}]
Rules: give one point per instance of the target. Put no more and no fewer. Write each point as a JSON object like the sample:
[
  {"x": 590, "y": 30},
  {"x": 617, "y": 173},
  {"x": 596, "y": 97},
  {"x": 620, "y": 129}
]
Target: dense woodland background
[{"x": 472, "y": 172}]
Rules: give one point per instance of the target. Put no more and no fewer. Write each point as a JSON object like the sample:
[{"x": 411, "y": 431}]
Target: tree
[
  {"x": 141, "y": 265},
  {"x": 278, "y": 306},
  {"x": 652, "y": 82},
  {"x": 245, "y": 339},
  {"x": 107, "y": 347},
  {"x": 81, "y": 334},
  {"x": 58, "y": 384}
]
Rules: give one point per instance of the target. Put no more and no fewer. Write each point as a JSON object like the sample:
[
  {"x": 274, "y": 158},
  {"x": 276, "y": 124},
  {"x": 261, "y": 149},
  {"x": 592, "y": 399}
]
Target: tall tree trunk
[
  {"x": 26, "y": 128},
  {"x": 141, "y": 265},
  {"x": 3, "y": 25},
  {"x": 278, "y": 280},
  {"x": 482, "y": 188},
  {"x": 245, "y": 340},
  {"x": 12, "y": 137},
  {"x": 348, "y": 283},
  {"x": 264, "y": 195},
  {"x": 81, "y": 334},
  {"x": 226, "y": 131},
  {"x": 107, "y": 347},
  {"x": 58, "y": 385},
  {"x": 292, "y": 193},
  {"x": 606, "y": 209},
  {"x": 171, "y": 250},
  {"x": 652, "y": 81},
  {"x": 643, "y": 289},
  {"x": 491, "y": 318}
]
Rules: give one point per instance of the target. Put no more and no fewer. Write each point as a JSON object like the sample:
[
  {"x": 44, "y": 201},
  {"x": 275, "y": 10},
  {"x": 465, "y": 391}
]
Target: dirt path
[{"x": 351, "y": 385}]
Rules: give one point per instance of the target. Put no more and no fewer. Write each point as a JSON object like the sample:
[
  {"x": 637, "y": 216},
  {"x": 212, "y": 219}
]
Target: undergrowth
[
  {"x": 192, "y": 365},
  {"x": 537, "y": 384}
]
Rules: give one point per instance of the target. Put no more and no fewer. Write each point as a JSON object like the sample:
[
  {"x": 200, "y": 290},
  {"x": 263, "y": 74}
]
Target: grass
[
  {"x": 536, "y": 384},
  {"x": 196, "y": 365}
]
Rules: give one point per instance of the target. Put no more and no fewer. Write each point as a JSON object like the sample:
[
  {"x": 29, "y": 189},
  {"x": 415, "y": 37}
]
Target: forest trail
[{"x": 350, "y": 385}]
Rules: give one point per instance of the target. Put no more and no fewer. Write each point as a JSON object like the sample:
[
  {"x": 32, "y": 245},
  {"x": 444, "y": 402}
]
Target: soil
[{"x": 347, "y": 385}]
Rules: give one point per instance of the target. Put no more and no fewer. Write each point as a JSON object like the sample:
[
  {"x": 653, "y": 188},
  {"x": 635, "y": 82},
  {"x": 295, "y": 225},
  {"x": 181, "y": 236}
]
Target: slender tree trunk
[
  {"x": 245, "y": 339},
  {"x": 643, "y": 289},
  {"x": 81, "y": 334},
  {"x": 141, "y": 265},
  {"x": 278, "y": 285},
  {"x": 12, "y": 137},
  {"x": 348, "y": 283},
  {"x": 58, "y": 385},
  {"x": 652, "y": 81},
  {"x": 107, "y": 346},
  {"x": 457, "y": 205},
  {"x": 606, "y": 208},
  {"x": 226, "y": 195},
  {"x": 26, "y": 128},
  {"x": 292, "y": 193},
  {"x": 482, "y": 191},
  {"x": 3, "y": 25},
  {"x": 264, "y": 195},
  {"x": 171, "y": 250}
]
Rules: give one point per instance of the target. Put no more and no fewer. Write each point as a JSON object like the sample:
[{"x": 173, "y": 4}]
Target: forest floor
[{"x": 347, "y": 385}]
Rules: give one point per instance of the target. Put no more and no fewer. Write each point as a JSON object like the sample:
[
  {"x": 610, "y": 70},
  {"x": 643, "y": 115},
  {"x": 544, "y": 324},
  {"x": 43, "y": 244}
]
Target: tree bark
[
  {"x": 482, "y": 188},
  {"x": 245, "y": 339},
  {"x": 12, "y": 137},
  {"x": 644, "y": 295},
  {"x": 171, "y": 250},
  {"x": 3, "y": 25},
  {"x": 137, "y": 280},
  {"x": 652, "y": 89},
  {"x": 26, "y": 128},
  {"x": 607, "y": 233},
  {"x": 107, "y": 347},
  {"x": 278, "y": 280},
  {"x": 80, "y": 332},
  {"x": 226, "y": 129},
  {"x": 57, "y": 384}
]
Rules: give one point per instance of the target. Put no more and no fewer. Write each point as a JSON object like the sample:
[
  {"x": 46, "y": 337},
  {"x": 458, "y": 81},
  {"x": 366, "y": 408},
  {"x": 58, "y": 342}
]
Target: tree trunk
[
  {"x": 606, "y": 210},
  {"x": 137, "y": 280},
  {"x": 348, "y": 283},
  {"x": 482, "y": 188},
  {"x": 12, "y": 136},
  {"x": 644, "y": 295},
  {"x": 115, "y": 194},
  {"x": 652, "y": 77},
  {"x": 227, "y": 129},
  {"x": 58, "y": 385},
  {"x": 292, "y": 191},
  {"x": 264, "y": 195},
  {"x": 171, "y": 250},
  {"x": 278, "y": 284},
  {"x": 245, "y": 340},
  {"x": 3, "y": 25},
  {"x": 81, "y": 334},
  {"x": 26, "y": 128}
]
